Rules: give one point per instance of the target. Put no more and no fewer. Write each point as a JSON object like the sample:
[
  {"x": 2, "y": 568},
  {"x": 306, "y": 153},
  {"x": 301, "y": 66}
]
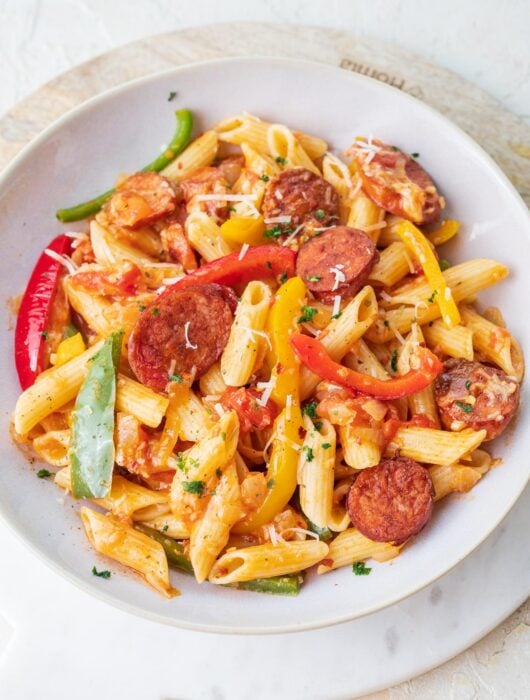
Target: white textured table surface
[{"x": 39, "y": 40}]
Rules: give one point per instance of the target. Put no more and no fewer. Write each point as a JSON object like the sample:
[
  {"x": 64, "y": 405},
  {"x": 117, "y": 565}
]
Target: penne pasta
[
  {"x": 198, "y": 154},
  {"x": 350, "y": 546},
  {"x": 315, "y": 471},
  {"x": 435, "y": 446},
  {"x": 203, "y": 234}
]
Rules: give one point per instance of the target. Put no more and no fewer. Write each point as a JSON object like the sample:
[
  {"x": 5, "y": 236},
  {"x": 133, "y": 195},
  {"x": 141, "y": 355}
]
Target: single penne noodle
[
  {"x": 266, "y": 560},
  {"x": 421, "y": 402},
  {"x": 465, "y": 280},
  {"x": 95, "y": 310},
  {"x": 246, "y": 335},
  {"x": 392, "y": 266},
  {"x": 198, "y": 154},
  {"x": 357, "y": 316},
  {"x": 455, "y": 478},
  {"x": 494, "y": 343},
  {"x": 455, "y": 342},
  {"x": 125, "y": 497},
  {"x": 338, "y": 520},
  {"x": 363, "y": 360},
  {"x": 336, "y": 172},
  {"x": 315, "y": 471},
  {"x": 194, "y": 420},
  {"x": 212, "y": 383},
  {"x": 247, "y": 128},
  {"x": 481, "y": 461},
  {"x": 209, "y": 535},
  {"x": 350, "y": 546},
  {"x": 366, "y": 216},
  {"x": 434, "y": 446},
  {"x": 203, "y": 234},
  {"x": 139, "y": 401},
  {"x": 283, "y": 143},
  {"x": 259, "y": 163},
  {"x": 53, "y": 447},
  {"x": 139, "y": 552},
  {"x": 361, "y": 445},
  {"x": 53, "y": 389},
  {"x": 160, "y": 518},
  {"x": 389, "y": 233}
]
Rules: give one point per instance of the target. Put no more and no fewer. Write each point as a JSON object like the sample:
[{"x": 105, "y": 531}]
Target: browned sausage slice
[
  {"x": 392, "y": 501},
  {"x": 141, "y": 199},
  {"x": 396, "y": 182},
  {"x": 338, "y": 262},
  {"x": 303, "y": 196},
  {"x": 186, "y": 330},
  {"x": 473, "y": 395}
]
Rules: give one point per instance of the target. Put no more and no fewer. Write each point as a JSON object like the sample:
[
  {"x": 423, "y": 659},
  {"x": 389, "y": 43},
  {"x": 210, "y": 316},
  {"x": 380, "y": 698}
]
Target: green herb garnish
[
  {"x": 264, "y": 177},
  {"x": 326, "y": 445},
  {"x": 466, "y": 407},
  {"x": 308, "y": 453},
  {"x": 310, "y": 409},
  {"x": 308, "y": 314},
  {"x": 195, "y": 487},
  {"x": 314, "y": 278},
  {"x": 281, "y": 161},
  {"x": 171, "y": 96},
  {"x": 393, "y": 361},
  {"x": 176, "y": 378},
  {"x": 359, "y": 568},
  {"x": 320, "y": 214},
  {"x": 43, "y": 474},
  {"x": 444, "y": 264},
  {"x": 102, "y": 574},
  {"x": 431, "y": 298}
]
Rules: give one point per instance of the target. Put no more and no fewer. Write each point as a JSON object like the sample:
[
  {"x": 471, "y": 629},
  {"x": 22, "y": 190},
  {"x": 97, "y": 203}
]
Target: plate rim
[{"x": 501, "y": 178}]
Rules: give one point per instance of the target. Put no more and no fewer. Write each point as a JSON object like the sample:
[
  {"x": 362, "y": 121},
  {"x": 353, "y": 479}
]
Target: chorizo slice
[
  {"x": 206, "y": 181},
  {"x": 338, "y": 262},
  {"x": 473, "y": 395},
  {"x": 304, "y": 197},
  {"x": 186, "y": 330},
  {"x": 392, "y": 501},
  {"x": 397, "y": 183},
  {"x": 141, "y": 199}
]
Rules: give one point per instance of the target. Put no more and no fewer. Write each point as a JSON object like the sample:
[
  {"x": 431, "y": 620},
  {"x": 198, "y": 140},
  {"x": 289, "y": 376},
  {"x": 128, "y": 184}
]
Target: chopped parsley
[
  {"x": 223, "y": 436},
  {"x": 468, "y": 385},
  {"x": 142, "y": 307},
  {"x": 264, "y": 177},
  {"x": 195, "y": 487},
  {"x": 326, "y": 445},
  {"x": 431, "y": 298},
  {"x": 181, "y": 462},
  {"x": 308, "y": 453},
  {"x": 155, "y": 311},
  {"x": 270, "y": 483},
  {"x": 43, "y": 474},
  {"x": 218, "y": 472},
  {"x": 232, "y": 208},
  {"x": 393, "y": 361},
  {"x": 444, "y": 264},
  {"x": 165, "y": 528},
  {"x": 323, "y": 533},
  {"x": 415, "y": 155},
  {"x": 466, "y": 407},
  {"x": 310, "y": 409},
  {"x": 308, "y": 314},
  {"x": 359, "y": 568},
  {"x": 44, "y": 334},
  {"x": 269, "y": 265},
  {"x": 314, "y": 278},
  {"x": 317, "y": 424},
  {"x": 283, "y": 278},
  {"x": 394, "y": 148},
  {"x": 274, "y": 232},
  {"x": 281, "y": 161},
  {"x": 176, "y": 378},
  {"x": 337, "y": 315},
  {"x": 171, "y": 96},
  {"x": 320, "y": 214},
  {"x": 102, "y": 574}
]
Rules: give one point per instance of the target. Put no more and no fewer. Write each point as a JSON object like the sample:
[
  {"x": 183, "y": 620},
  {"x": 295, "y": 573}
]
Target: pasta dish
[{"x": 252, "y": 359}]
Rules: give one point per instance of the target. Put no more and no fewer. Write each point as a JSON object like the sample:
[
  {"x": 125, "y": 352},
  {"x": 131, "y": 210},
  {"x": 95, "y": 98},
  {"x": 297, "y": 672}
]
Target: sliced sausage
[
  {"x": 303, "y": 196},
  {"x": 392, "y": 501},
  {"x": 141, "y": 199},
  {"x": 206, "y": 181},
  {"x": 338, "y": 262},
  {"x": 176, "y": 246},
  {"x": 186, "y": 330},
  {"x": 473, "y": 395},
  {"x": 397, "y": 183}
]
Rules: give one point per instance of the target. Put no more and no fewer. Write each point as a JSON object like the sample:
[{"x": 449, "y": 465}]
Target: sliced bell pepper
[
  {"x": 444, "y": 232},
  {"x": 91, "y": 450},
  {"x": 280, "y": 325},
  {"x": 30, "y": 331},
  {"x": 314, "y": 356},
  {"x": 69, "y": 348},
  {"x": 258, "y": 263},
  {"x": 243, "y": 229},
  {"x": 178, "y": 143},
  {"x": 281, "y": 473}
]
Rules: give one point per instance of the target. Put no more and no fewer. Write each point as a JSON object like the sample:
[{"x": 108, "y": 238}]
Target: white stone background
[{"x": 485, "y": 41}]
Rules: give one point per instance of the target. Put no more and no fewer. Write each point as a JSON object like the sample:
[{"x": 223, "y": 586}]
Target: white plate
[{"x": 82, "y": 153}]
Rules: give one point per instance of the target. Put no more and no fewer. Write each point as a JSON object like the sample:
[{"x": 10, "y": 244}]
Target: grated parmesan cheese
[
  {"x": 252, "y": 331},
  {"x": 189, "y": 344},
  {"x": 267, "y": 390},
  {"x": 293, "y": 234},
  {"x": 278, "y": 220},
  {"x": 288, "y": 405},
  {"x": 63, "y": 259},
  {"x": 301, "y": 531},
  {"x": 219, "y": 410},
  {"x": 243, "y": 251},
  {"x": 340, "y": 277},
  {"x": 336, "y": 305}
]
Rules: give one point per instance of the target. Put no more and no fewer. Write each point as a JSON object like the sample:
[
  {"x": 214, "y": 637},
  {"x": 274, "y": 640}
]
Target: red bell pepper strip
[
  {"x": 314, "y": 356},
  {"x": 258, "y": 263},
  {"x": 34, "y": 313}
]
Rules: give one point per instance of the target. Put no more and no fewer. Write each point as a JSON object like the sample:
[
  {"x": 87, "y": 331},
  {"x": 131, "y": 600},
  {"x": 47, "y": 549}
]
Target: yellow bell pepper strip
[
  {"x": 419, "y": 246},
  {"x": 69, "y": 348},
  {"x": 281, "y": 473},
  {"x": 244, "y": 229},
  {"x": 444, "y": 232},
  {"x": 281, "y": 324}
]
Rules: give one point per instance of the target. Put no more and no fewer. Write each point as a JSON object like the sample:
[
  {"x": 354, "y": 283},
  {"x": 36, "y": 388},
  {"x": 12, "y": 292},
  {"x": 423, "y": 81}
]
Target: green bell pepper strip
[
  {"x": 324, "y": 533},
  {"x": 276, "y": 585},
  {"x": 178, "y": 143},
  {"x": 92, "y": 442},
  {"x": 175, "y": 553},
  {"x": 178, "y": 559}
]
